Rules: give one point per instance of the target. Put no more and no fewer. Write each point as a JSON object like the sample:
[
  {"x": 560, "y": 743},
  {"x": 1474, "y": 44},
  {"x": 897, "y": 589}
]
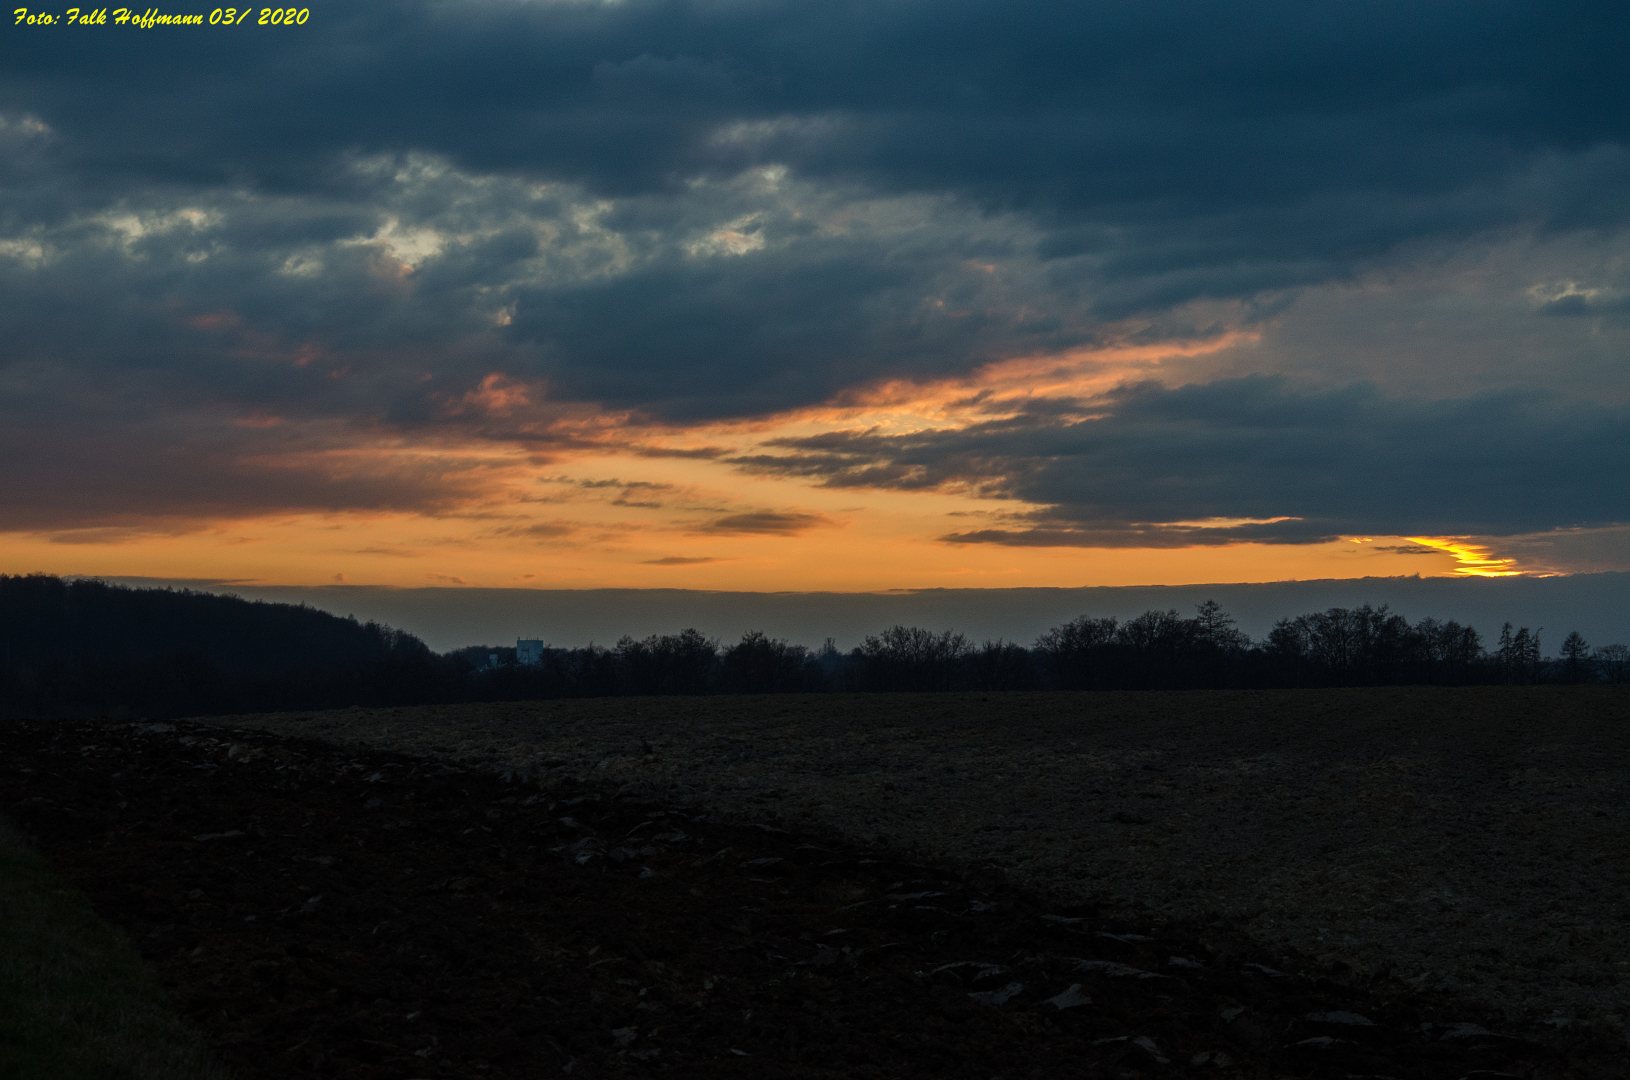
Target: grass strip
[{"x": 76, "y": 1003}]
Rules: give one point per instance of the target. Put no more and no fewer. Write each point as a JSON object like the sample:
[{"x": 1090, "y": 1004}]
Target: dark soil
[{"x": 319, "y": 912}]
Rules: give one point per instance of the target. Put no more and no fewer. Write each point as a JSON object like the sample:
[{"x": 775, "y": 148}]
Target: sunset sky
[{"x": 760, "y": 295}]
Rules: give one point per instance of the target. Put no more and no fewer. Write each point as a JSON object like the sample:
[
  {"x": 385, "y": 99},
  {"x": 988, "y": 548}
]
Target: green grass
[{"x": 75, "y": 1001}]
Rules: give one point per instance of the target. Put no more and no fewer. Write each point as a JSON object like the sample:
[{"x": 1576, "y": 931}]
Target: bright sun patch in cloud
[
  {"x": 409, "y": 245},
  {"x": 1473, "y": 560}
]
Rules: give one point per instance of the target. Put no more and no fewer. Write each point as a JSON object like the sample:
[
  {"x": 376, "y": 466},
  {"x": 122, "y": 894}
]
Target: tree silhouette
[
  {"x": 1577, "y": 664},
  {"x": 1071, "y": 652},
  {"x": 911, "y": 658},
  {"x": 88, "y": 648},
  {"x": 1214, "y": 628},
  {"x": 761, "y": 665},
  {"x": 1000, "y": 665},
  {"x": 1614, "y": 663},
  {"x": 682, "y": 663}
]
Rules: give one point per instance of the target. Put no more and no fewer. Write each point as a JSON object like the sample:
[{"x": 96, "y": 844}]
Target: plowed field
[
  {"x": 328, "y": 911},
  {"x": 1474, "y": 843}
]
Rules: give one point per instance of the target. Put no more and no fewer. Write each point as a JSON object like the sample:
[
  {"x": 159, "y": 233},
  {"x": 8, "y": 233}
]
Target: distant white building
[{"x": 528, "y": 651}]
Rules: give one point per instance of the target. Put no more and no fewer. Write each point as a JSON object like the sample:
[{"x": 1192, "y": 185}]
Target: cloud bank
[{"x": 320, "y": 270}]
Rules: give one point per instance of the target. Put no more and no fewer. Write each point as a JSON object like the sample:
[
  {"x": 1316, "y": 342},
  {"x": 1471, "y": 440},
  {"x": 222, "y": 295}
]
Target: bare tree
[
  {"x": 1614, "y": 663},
  {"x": 1577, "y": 663},
  {"x": 1070, "y": 650},
  {"x": 1215, "y": 628},
  {"x": 758, "y": 664},
  {"x": 911, "y": 658},
  {"x": 682, "y": 663},
  {"x": 1000, "y": 665}
]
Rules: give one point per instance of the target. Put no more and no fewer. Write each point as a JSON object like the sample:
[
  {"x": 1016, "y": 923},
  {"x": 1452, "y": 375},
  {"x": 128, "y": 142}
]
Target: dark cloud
[
  {"x": 1255, "y": 459},
  {"x": 691, "y": 211},
  {"x": 621, "y": 485},
  {"x": 636, "y": 488},
  {"x": 705, "y": 453},
  {"x": 1585, "y": 304},
  {"x": 1153, "y": 155},
  {"x": 542, "y": 530},
  {"x": 749, "y": 334},
  {"x": 765, "y": 523},
  {"x": 1037, "y": 102},
  {"x": 1132, "y": 535},
  {"x": 169, "y": 477},
  {"x": 680, "y": 560}
]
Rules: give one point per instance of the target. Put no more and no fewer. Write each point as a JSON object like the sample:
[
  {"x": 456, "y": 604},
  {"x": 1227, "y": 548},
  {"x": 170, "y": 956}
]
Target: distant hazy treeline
[
  {"x": 85, "y": 647},
  {"x": 1365, "y": 646}
]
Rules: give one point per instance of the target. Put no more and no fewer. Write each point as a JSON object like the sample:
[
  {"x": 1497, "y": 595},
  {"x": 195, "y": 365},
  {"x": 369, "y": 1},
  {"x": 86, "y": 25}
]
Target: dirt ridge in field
[{"x": 1471, "y": 842}]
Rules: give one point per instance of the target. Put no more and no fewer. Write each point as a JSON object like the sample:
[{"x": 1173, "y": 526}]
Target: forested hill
[
  {"x": 47, "y": 618},
  {"x": 87, "y": 648}
]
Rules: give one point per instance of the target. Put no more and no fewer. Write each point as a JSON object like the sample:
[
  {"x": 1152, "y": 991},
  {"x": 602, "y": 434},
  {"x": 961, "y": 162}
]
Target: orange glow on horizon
[
  {"x": 565, "y": 495},
  {"x": 392, "y": 553}
]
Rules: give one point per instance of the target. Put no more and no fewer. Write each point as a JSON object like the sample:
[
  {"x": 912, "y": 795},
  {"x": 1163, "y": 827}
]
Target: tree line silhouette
[
  {"x": 89, "y": 648},
  {"x": 71, "y": 648}
]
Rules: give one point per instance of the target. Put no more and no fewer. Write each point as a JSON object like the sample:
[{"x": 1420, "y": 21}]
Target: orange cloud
[
  {"x": 498, "y": 395},
  {"x": 258, "y": 420},
  {"x": 611, "y": 496},
  {"x": 996, "y": 390}
]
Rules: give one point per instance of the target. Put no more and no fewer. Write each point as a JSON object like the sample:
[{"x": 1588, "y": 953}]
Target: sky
[{"x": 765, "y": 296}]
